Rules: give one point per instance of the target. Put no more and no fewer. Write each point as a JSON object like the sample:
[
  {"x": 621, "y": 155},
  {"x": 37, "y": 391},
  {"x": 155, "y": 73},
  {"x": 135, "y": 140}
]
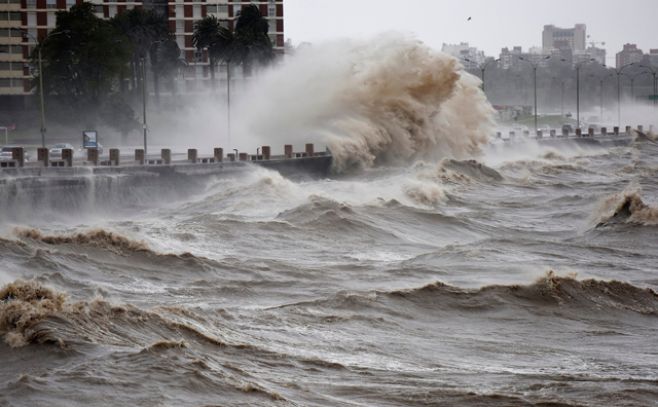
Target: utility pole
[{"x": 144, "y": 102}]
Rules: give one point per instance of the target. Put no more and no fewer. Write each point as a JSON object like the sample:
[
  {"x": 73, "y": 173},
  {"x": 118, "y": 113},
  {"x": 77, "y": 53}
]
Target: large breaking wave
[{"x": 388, "y": 100}]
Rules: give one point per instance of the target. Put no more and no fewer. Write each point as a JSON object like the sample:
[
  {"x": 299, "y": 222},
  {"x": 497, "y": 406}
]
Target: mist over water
[{"x": 434, "y": 267}]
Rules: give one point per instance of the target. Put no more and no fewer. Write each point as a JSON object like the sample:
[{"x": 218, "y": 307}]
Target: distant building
[
  {"x": 653, "y": 57},
  {"x": 513, "y": 59},
  {"x": 591, "y": 52},
  {"x": 631, "y": 53},
  {"x": 37, "y": 17},
  {"x": 470, "y": 57},
  {"x": 560, "y": 38}
]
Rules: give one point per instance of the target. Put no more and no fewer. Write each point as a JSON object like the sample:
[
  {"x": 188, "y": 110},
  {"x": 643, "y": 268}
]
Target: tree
[
  {"x": 148, "y": 33},
  {"x": 252, "y": 43},
  {"x": 83, "y": 57},
  {"x": 218, "y": 40}
]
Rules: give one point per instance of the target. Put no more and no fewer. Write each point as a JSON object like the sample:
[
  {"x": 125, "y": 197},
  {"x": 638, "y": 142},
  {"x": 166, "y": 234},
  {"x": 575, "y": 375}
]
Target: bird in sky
[{"x": 468, "y": 19}]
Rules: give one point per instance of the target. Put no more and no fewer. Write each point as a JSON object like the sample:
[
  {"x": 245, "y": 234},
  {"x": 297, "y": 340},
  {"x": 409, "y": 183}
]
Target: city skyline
[{"x": 513, "y": 22}]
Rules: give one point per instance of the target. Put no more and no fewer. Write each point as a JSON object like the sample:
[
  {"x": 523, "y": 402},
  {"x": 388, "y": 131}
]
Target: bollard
[
  {"x": 640, "y": 128},
  {"x": 287, "y": 150},
  {"x": 92, "y": 155},
  {"x": 590, "y": 132},
  {"x": 244, "y": 156},
  {"x": 42, "y": 155},
  {"x": 18, "y": 154},
  {"x": 604, "y": 131},
  {"x": 67, "y": 156},
  {"x": 165, "y": 154},
  {"x": 628, "y": 130},
  {"x": 579, "y": 132},
  {"x": 192, "y": 155},
  {"x": 511, "y": 134},
  {"x": 139, "y": 156},
  {"x": 526, "y": 133},
  {"x": 615, "y": 130},
  {"x": 267, "y": 152},
  {"x": 499, "y": 134},
  {"x": 539, "y": 134},
  {"x": 218, "y": 153},
  {"x": 230, "y": 156},
  {"x": 552, "y": 133},
  {"x": 565, "y": 132},
  {"x": 309, "y": 150},
  {"x": 114, "y": 156}
]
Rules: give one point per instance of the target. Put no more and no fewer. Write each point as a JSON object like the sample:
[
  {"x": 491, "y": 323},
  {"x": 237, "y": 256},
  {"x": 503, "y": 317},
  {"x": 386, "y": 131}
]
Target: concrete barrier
[
  {"x": 579, "y": 132},
  {"x": 165, "y": 155},
  {"x": 615, "y": 130},
  {"x": 287, "y": 150},
  {"x": 604, "y": 131},
  {"x": 218, "y": 153},
  {"x": 628, "y": 130},
  {"x": 499, "y": 135},
  {"x": 552, "y": 133},
  {"x": 114, "y": 156},
  {"x": 526, "y": 133},
  {"x": 244, "y": 156},
  {"x": 539, "y": 134},
  {"x": 192, "y": 155},
  {"x": 309, "y": 149},
  {"x": 266, "y": 152},
  {"x": 67, "y": 156},
  {"x": 590, "y": 132},
  {"x": 92, "y": 155},
  {"x": 18, "y": 155},
  {"x": 230, "y": 156},
  {"x": 640, "y": 128},
  {"x": 139, "y": 156},
  {"x": 43, "y": 156},
  {"x": 565, "y": 132}
]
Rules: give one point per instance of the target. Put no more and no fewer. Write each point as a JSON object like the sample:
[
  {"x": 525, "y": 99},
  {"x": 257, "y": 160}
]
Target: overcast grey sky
[{"x": 494, "y": 24}]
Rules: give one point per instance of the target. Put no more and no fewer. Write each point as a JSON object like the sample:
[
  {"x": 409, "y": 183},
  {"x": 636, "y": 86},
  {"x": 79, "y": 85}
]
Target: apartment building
[{"x": 38, "y": 17}]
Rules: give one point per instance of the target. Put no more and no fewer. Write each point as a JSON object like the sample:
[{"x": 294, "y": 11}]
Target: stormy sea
[{"x": 433, "y": 267}]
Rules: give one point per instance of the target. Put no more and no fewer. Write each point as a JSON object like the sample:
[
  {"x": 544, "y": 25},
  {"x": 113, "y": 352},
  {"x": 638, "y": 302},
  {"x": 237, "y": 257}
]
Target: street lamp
[
  {"x": 561, "y": 94},
  {"x": 534, "y": 71},
  {"x": 601, "y": 80},
  {"x": 655, "y": 83},
  {"x": 578, "y": 66},
  {"x": 483, "y": 68},
  {"x": 42, "y": 104},
  {"x": 632, "y": 79},
  {"x": 144, "y": 125},
  {"x": 619, "y": 72}
]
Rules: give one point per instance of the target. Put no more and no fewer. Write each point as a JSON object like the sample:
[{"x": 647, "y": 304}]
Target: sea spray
[{"x": 389, "y": 100}]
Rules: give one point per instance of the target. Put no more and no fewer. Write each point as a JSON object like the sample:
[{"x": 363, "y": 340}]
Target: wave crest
[{"x": 627, "y": 207}]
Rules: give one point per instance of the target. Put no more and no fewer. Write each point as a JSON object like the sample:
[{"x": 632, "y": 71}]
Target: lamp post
[
  {"x": 534, "y": 71},
  {"x": 578, "y": 66},
  {"x": 483, "y": 68},
  {"x": 42, "y": 104},
  {"x": 655, "y": 83},
  {"x": 619, "y": 72},
  {"x": 632, "y": 77},
  {"x": 144, "y": 125}
]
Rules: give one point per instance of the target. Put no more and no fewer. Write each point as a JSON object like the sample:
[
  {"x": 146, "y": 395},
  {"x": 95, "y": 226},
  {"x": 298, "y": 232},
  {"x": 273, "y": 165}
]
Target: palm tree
[
  {"x": 252, "y": 43},
  {"x": 218, "y": 40}
]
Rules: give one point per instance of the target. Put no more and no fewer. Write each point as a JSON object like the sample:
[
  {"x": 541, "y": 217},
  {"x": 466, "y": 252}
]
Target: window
[
  {"x": 31, "y": 18},
  {"x": 70, "y": 3},
  {"x": 5, "y": 66},
  {"x": 15, "y": 16},
  {"x": 5, "y": 83},
  {"x": 196, "y": 12},
  {"x": 179, "y": 11},
  {"x": 52, "y": 18},
  {"x": 4, "y": 49},
  {"x": 180, "y": 26},
  {"x": 16, "y": 49},
  {"x": 51, "y": 3},
  {"x": 222, "y": 8},
  {"x": 211, "y": 9},
  {"x": 223, "y": 23},
  {"x": 31, "y": 3},
  {"x": 271, "y": 10}
]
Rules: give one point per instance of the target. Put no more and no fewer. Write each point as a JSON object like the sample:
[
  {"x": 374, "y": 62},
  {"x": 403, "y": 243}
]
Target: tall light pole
[
  {"x": 534, "y": 71},
  {"x": 655, "y": 83},
  {"x": 632, "y": 79},
  {"x": 483, "y": 68},
  {"x": 619, "y": 72},
  {"x": 144, "y": 125},
  {"x": 578, "y": 66},
  {"x": 42, "y": 104}
]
